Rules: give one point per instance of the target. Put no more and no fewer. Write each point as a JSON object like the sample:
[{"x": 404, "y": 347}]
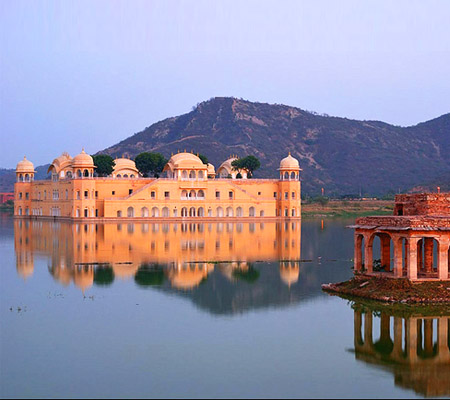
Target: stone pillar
[
  {"x": 412, "y": 259},
  {"x": 442, "y": 256},
  {"x": 405, "y": 267},
  {"x": 411, "y": 339},
  {"x": 398, "y": 335},
  {"x": 398, "y": 259},
  {"x": 358, "y": 252},
  {"x": 368, "y": 255},
  {"x": 420, "y": 255},
  {"x": 428, "y": 254},
  {"x": 385, "y": 243}
]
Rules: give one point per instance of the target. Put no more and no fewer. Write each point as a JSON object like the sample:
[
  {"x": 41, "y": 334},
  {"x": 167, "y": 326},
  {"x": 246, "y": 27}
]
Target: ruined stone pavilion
[{"x": 414, "y": 242}]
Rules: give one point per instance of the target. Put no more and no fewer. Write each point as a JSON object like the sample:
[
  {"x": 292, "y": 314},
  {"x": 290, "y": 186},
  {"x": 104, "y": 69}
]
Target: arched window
[
  {"x": 86, "y": 173},
  {"x": 261, "y": 213},
  {"x": 200, "y": 175},
  {"x": 201, "y": 194},
  {"x": 184, "y": 174},
  {"x": 119, "y": 214},
  {"x": 200, "y": 212},
  {"x": 293, "y": 175},
  {"x": 293, "y": 212},
  {"x": 132, "y": 176},
  {"x": 20, "y": 177},
  {"x": 286, "y": 175},
  {"x": 69, "y": 174},
  {"x": 184, "y": 212},
  {"x": 192, "y": 194},
  {"x": 251, "y": 212},
  {"x": 239, "y": 212},
  {"x": 192, "y": 175},
  {"x": 27, "y": 178},
  {"x": 20, "y": 210},
  {"x": 184, "y": 195},
  {"x": 79, "y": 173},
  {"x": 230, "y": 212},
  {"x": 144, "y": 212},
  {"x": 165, "y": 212},
  {"x": 130, "y": 212},
  {"x": 219, "y": 212},
  {"x": 119, "y": 176},
  {"x": 77, "y": 214},
  {"x": 192, "y": 212},
  {"x": 125, "y": 175},
  {"x": 155, "y": 212}
]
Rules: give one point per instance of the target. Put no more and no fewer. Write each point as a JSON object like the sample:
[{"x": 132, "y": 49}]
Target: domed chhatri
[
  {"x": 188, "y": 188},
  {"x": 25, "y": 171},
  {"x": 289, "y": 168}
]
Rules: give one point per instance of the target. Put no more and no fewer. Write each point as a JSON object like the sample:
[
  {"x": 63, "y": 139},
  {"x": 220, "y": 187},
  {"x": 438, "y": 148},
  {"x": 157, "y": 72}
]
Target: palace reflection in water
[
  {"x": 183, "y": 253},
  {"x": 414, "y": 347}
]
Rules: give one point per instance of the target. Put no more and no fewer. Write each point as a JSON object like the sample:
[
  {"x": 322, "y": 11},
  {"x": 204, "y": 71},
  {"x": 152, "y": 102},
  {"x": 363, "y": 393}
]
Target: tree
[
  {"x": 250, "y": 163},
  {"x": 150, "y": 163},
  {"x": 104, "y": 164},
  {"x": 203, "y": 158}
]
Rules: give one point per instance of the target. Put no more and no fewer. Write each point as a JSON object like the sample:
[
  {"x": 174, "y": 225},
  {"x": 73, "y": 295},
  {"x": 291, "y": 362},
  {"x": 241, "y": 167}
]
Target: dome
[
  {"x": 25, "y": 166},
  {"x": 289, "y": 162},
  {"x": 211, "y": 170},
  {"x": 61, "y": 162},
  {"x": 83, "y": 160},
  {"x": 184, "y": 161},
  {"x": 121, "y": 163}
]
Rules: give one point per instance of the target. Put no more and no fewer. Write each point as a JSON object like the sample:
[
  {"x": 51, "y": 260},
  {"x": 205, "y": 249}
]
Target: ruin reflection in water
[
  {"x": 183, "y": 253},
  {"x": 414, "y": 347}
]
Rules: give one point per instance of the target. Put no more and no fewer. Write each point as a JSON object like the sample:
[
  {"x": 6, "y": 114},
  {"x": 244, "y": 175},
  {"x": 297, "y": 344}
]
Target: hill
[{"x": 342, "y": 155}]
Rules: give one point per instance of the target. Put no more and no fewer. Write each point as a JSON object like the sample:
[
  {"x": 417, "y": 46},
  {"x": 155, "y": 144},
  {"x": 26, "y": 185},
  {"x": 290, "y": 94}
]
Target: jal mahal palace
[{"x": 188, "y": 188}]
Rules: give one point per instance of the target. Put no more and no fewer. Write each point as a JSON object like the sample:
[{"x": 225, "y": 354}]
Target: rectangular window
[
  {"x": 259, "y": 193},
  {"x": 113, "y": 192},
  {"x": 230, "y": 195},
  {"x": 96, "y": 194},
  {"x": 166, "y": 195},
  {"x": 20, "y": 195},
  {"x": 130, "y": 191},
  {"x": 153, "y": 195},
  {"x": 217, "y": 195},
  {"x": 293, "y": 195},
  {"x": 86, "y": 194},
  {"x": 286, "y": 195},
  {"x": 27, "y": 195},
  {"x": 96, "y": 214},
  {"x": 274, "y": 195}
]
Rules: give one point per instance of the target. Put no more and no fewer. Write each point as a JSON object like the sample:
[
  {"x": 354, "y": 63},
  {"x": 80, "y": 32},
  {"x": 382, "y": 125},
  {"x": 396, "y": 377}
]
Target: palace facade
[{"x": 188, "y": 189}]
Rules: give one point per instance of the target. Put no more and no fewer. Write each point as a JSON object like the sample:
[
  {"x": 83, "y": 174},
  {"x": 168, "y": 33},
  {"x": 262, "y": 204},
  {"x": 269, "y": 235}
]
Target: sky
[{"x": 87, "y": 74}]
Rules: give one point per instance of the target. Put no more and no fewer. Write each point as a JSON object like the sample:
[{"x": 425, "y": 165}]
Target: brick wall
[{"x": 422, "y": 204}]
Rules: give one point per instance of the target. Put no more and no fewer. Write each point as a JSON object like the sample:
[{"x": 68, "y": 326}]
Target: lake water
[{"x": 200, "y": 310}]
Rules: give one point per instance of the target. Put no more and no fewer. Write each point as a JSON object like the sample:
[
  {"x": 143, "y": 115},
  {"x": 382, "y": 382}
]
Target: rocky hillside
[{"x": 344, "y": 156}]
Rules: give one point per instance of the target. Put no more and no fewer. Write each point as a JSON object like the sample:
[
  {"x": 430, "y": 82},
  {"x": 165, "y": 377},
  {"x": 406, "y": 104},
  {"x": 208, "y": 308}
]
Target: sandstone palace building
[{"x": 188, "y": 189}]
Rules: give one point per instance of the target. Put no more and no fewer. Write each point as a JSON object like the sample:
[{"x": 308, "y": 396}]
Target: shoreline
[
  {"x": 386, "y": 290},
  {"x": 347, "y": 208}
]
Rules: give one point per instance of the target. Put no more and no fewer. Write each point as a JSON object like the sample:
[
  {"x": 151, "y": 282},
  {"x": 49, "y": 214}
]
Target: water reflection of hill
[
  {"x": 222, "y": 267},
  {"x": 413, "y": 345}
]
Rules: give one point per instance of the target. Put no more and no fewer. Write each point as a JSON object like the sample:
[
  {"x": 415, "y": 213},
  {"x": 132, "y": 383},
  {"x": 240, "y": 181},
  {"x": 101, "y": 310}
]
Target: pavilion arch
[
  {"x": 130, "y": 212},
  {"x": 144, "y": 212},
  {"x": 192, "y": 175},
  {"x": 286, "y": 175},
  {"x": 229, "y": 212},
  {"x": 200, "y": 175},
  {"x": 119, "y": 175},
  {"x": 184, "y": 174},
  {"x": 192, "y": 212},
  {"x": 165, "y": 212},
  {"x": 86, "y": 173},
  {"x": 251, "y": 212},
  {"x": 219, "y": 212},
  {"x": 79, "y": 173},
  {"x": 200, "y": 212},
  {"x": 155, "y": 212},
  {"x": 359, "y": 252},
  {"x": 200, "y": 194},
  {"x": 239, "y": 212},
  {"x": 192, "y": 194},
  {"x": 383, "y": 249},
  {"x": 184, "y": 194},
  {"x": 293, "y": 176}
]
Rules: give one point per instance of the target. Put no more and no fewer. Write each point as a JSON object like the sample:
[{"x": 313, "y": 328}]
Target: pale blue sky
[{"x": 91, "y": 73}]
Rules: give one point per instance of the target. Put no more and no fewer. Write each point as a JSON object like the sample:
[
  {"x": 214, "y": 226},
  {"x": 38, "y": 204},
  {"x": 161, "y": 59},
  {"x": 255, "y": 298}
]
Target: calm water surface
[{"x": 199, "y": 310}]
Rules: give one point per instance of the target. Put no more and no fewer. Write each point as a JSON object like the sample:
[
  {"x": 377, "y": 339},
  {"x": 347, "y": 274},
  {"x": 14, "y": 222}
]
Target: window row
[{"x": 155, "y": 212}]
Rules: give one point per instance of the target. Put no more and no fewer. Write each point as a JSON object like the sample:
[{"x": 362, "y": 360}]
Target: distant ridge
[{"x": 342, "y": 155}]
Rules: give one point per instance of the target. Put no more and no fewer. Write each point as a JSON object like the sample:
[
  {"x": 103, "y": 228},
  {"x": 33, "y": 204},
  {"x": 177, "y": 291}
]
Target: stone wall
[{"x": 422, "y": 204}]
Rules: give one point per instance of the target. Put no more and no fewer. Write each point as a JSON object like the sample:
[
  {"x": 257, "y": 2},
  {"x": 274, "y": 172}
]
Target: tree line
[{"x": 152, "y": 164}]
